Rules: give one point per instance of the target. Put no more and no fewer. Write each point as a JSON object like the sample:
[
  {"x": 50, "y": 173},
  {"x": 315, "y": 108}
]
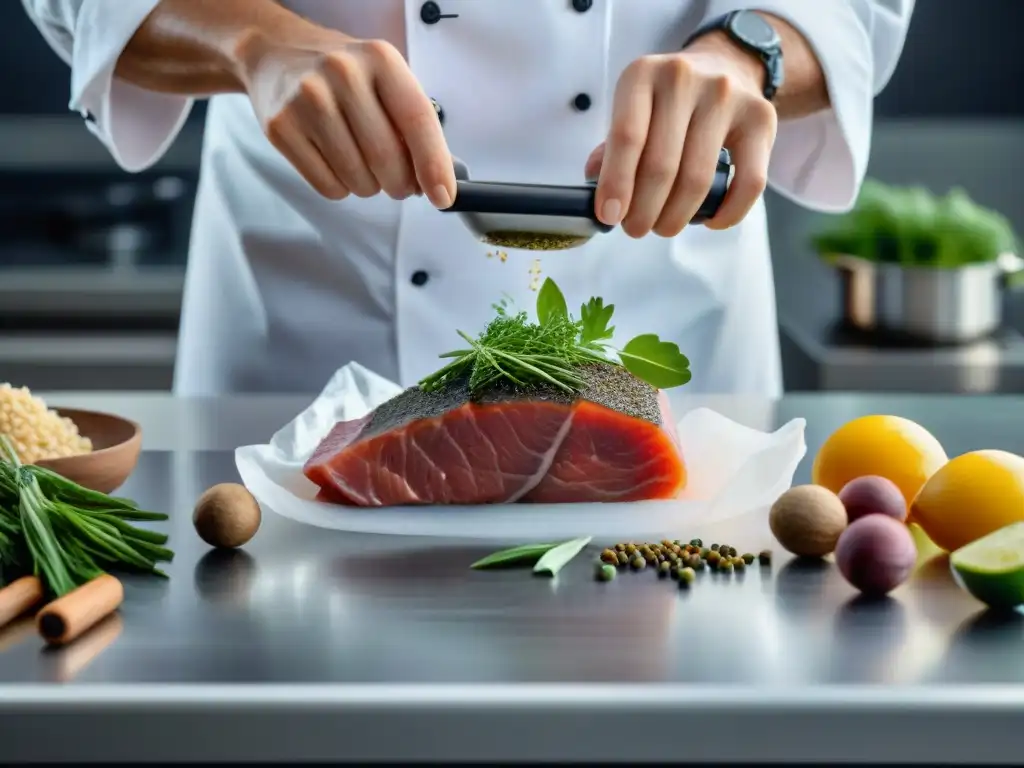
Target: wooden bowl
[{"x": 116, "y": 445}]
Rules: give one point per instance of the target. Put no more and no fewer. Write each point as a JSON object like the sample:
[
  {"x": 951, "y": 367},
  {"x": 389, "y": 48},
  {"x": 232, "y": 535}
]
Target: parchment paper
[{"x": 733, "y": 470}]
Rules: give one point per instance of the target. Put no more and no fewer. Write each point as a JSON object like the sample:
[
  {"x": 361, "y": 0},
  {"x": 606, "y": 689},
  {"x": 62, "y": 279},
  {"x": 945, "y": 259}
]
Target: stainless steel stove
[
  {"x": 819, "y": 354},
  {"x": 92, "y": 261}
]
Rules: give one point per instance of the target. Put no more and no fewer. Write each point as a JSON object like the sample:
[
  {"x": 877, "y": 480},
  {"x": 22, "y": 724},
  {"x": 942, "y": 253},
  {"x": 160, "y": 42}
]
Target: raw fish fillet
[{"x": 616, "y": 441}]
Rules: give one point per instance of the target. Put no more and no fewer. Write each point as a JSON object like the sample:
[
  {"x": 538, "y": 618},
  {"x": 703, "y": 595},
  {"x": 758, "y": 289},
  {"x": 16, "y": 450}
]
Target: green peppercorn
[
  {"x": 725, "y": 566},
  {"x": 733, "y": 552},
  {"x": 609, "y": 556},
  {"x": 630, "y": 548},
  {"x": 663, "y": 569},
  {"x": 748, "y": 558},
  {"x": 620, "y": 547},
  {"x": 686, "y": 577},
  {"x": 638, "y": 563},
  {"x": 738, "y": 563},
  {"x": 674, "y": 571},
  {"x": 714, "y": 547},
  {"x": 666, "y": 542},
  {"x": 697, "y": 543},
  {"x": 765, "y": 558},
  {"x": 697, "y": 564},
  {"x": 622, "y": 558},
  {"x": 713, "y": 557},
  {"x": 605, "y": 572},
  {"x": 704, "y": 552}
]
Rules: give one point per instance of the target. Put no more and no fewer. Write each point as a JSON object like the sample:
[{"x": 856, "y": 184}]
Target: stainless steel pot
[{"x": 928, "y": 304}]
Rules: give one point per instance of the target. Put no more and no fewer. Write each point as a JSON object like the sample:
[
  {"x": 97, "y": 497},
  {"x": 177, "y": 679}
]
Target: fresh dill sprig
[{"x": 551, "y": 350}]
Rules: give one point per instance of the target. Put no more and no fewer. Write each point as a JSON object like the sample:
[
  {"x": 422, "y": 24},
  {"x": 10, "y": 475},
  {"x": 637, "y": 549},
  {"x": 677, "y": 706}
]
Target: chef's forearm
[
  {"x": 804, "y": 90},
  {"x": 200, "y": 47}
]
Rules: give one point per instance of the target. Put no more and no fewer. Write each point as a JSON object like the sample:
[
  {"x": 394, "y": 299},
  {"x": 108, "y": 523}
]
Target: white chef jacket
[{"x": 283, "y": 286}]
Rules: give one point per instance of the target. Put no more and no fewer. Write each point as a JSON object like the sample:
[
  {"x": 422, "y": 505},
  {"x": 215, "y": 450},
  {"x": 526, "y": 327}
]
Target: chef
[{"x": 317, "y": 237}]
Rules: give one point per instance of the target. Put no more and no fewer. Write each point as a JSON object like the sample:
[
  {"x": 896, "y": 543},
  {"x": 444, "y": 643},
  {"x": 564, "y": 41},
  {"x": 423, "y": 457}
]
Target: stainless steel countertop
[{"x": 319, "y": 645}]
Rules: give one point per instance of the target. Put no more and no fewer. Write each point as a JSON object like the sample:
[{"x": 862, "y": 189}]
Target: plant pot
[{"x": 928, "y": 304}]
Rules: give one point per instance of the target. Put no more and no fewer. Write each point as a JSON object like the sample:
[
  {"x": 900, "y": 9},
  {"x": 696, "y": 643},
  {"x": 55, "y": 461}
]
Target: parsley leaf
[
  {"x": 659, "y": 363},
  {"x": 594, "y": 319}
]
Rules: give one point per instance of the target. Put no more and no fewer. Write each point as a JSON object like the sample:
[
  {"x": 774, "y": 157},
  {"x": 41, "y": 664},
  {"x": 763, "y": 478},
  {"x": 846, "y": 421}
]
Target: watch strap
[{"x": 769, "y": 56}]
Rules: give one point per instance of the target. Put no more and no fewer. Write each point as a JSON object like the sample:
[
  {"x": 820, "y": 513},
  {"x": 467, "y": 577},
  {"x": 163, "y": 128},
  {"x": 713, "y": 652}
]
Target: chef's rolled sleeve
[
  {"x": 819, "y": 161},
  {"x": 137, "y": 126}
]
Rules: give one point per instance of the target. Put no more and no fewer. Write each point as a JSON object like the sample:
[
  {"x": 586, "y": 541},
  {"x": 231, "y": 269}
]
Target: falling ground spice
[{"x": 536, "y": 274}]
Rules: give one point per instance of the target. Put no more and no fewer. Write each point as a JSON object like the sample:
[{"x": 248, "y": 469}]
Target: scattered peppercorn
[{"x": 680, "y": 561}]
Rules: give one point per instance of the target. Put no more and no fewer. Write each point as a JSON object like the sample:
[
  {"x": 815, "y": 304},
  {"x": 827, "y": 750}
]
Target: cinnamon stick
[
  {"x": 66, "y": 618},
  {"x": 18, "y": 597}
]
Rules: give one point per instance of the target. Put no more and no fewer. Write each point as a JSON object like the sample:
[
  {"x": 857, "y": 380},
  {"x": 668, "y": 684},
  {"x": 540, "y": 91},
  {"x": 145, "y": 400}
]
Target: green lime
[{"x": 992, "y": 567}]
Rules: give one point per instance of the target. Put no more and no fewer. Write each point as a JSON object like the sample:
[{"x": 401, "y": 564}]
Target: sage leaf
[
  {"x": 659, "y": 363},
  {"x": 551, "y": 304},
  {"x": 558, "y": 557},
  {"x": 525, "y": 554}
]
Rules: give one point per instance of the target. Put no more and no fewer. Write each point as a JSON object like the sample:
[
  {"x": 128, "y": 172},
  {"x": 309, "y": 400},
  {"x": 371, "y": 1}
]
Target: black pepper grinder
[{"x": 549, "y": 217}]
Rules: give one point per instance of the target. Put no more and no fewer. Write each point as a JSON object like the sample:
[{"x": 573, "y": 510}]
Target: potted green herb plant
[{"x": 914, "y": 264}]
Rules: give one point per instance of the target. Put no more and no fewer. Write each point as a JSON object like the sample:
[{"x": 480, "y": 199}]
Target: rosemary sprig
[{"x": 518, "y": 351}]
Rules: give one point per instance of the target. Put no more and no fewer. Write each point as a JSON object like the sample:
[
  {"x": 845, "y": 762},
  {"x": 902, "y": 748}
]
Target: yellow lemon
[
  {"x": 970, "y": 497},
  {"x": 889, "y": 446}
]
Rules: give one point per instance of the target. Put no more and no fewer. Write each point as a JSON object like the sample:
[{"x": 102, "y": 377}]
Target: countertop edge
[{"x": 593, "y": 723}]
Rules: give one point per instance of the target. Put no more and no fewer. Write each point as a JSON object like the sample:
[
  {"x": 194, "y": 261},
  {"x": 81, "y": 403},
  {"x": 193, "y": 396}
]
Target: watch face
[{"x": 754, "y": 30}]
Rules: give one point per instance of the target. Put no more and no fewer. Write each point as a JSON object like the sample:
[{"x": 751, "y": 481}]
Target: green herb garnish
[
  {"x": 68, "y": 535},
  {"x": 515, "y": 350},
  {"x": 557, "y": 558},
  {"x": 526, "y": 554}
]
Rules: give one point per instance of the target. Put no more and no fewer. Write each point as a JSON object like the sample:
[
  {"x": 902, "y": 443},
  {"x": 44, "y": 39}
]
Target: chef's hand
[
  {"x": 671, "y": 115},
  {"x": 351, "y": 117}
]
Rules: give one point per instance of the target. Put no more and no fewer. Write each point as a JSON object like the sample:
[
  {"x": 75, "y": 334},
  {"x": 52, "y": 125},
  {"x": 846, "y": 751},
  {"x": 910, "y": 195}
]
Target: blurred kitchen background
[{"x": 92, "y": 260}]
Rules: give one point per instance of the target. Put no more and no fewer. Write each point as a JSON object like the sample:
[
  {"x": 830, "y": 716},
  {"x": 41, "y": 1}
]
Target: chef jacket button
[
  {"x": 430, "y": 12},
  {"x": 439, "y": 110},
  {"x": 581, "y": 102},
  {"x": 582, "y": 6},
  {"x": 420, "y": 278}
]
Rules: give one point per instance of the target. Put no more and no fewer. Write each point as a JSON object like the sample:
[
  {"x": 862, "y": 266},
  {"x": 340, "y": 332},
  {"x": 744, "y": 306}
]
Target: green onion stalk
[{"x": 68, "y": 535}]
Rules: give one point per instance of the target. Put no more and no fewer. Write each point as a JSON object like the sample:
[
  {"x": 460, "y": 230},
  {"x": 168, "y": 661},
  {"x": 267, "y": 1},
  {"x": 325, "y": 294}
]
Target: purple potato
[
  {"x": 873, "y": 495},
  {"x": 876, "y": 554}
]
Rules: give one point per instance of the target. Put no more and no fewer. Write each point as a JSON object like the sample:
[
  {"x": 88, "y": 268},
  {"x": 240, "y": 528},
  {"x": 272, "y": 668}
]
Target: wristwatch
[{"x": 753, "y": 33}]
